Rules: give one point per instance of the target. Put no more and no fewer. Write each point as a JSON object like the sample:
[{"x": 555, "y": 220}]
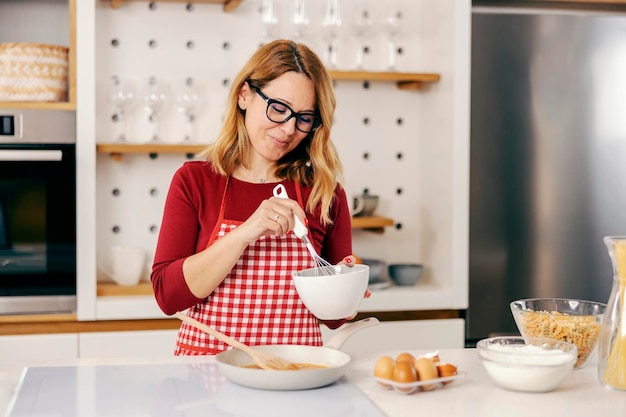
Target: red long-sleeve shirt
[{"x": 191, "y": 211}]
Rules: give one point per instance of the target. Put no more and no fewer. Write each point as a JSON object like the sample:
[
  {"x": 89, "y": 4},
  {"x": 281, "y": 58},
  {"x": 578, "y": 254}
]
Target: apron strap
[{"x": 220, "y": 217}]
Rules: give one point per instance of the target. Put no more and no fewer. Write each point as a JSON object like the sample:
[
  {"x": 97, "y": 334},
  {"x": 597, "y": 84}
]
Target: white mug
[
  {"x": 364, "y": 204},
  {"x": 123, "y": 264},
  {"x": 356, "y": 205}
]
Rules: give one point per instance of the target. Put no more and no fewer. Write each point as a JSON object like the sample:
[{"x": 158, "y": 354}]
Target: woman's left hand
[{"x": 350, "y": 260}]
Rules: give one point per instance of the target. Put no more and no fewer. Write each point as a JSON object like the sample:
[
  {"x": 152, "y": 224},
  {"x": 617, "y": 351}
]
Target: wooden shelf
[
  {"x": 372, "y": 223},
  {"x": 40, "y": 105},
  {"x": 111, "y": 289},
  {"x": 229, "y": 5},
  {"x": 404, "y": 80},
  {"x": 118, "y": 149},
  {"x": 56, "y": 323}
]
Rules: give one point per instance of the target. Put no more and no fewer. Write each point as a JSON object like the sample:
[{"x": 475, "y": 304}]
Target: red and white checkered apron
[{"x": 257, "y": 302}]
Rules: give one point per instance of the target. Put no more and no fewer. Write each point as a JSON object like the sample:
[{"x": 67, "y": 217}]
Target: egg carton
[{"x": 411, "y": 387}]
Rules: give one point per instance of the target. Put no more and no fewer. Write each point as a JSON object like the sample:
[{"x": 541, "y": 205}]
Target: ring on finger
[{"x": 276, "y": 217}]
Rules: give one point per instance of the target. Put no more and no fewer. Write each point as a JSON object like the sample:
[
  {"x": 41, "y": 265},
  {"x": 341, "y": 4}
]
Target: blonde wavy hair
[{"x": 315, "y": 162}]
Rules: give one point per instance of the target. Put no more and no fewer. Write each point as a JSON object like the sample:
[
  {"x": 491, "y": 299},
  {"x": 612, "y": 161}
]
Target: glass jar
[{"x": 612, "y": 344}]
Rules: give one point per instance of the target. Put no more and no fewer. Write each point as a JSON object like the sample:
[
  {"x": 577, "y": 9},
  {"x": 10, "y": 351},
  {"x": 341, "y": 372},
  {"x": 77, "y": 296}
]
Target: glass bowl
[
  {"x": 527, "y": 364},
  {"x": 569, "y": 320}
]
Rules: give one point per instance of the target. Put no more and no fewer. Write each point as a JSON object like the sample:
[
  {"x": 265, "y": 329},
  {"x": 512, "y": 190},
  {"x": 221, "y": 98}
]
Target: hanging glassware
[
  {"x": 331, "y": 25},
  {"x": 299, "y": 19},
  {"x": 612, "y": 344},
  {"x": 189, "y": 102},
  {"x": 269, "y": 17},
  {"x": 121, "y": 95},
  {"x": 361, "y": 25},
  {"x": 154, "y": 101},
  {"x": 393, "y": 26}
]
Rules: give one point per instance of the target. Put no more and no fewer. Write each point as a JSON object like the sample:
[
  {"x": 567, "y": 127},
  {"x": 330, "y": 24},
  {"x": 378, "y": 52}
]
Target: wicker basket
[{"x": 33, "y": 72}]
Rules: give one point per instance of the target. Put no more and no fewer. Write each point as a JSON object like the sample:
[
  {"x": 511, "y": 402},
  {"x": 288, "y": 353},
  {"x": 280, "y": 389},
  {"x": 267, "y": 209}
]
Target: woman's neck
[{"x": 259, "y": 175}]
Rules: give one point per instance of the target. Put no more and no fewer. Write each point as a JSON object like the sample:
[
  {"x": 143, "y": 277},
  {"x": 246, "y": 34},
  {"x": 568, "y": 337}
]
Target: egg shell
[
  {"x": 433, "y": 356},
  {"x": 446, "y": 369}
]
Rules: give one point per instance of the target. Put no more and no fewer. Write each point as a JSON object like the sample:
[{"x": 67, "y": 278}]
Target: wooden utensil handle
[{"x": 221, "y": 336}]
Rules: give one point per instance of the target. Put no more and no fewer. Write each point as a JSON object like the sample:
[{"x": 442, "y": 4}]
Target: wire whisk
[{"x": 323, "y": 266}]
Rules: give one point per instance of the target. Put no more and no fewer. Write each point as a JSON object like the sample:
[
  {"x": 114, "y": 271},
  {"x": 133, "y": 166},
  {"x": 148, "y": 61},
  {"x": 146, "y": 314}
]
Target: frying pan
[{"x": 232, "y": 363}]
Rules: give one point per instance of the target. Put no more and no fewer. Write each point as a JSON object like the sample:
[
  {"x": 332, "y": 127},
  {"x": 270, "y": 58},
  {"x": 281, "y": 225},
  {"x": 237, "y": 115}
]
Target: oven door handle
[{"x": 31, "y": 155}]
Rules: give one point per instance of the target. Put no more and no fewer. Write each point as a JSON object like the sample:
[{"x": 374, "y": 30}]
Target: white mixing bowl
[{"x": 332, "y": 297}]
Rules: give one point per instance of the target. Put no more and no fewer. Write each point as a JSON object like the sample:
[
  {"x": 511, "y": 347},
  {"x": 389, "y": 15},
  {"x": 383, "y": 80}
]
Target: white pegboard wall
[
  {"x": 131, "y": 194},
  {"x": 396, "y": 144}
]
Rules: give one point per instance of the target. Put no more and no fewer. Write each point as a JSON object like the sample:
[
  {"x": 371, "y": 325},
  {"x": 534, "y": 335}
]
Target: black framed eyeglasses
[{"x": 279, "y": 112}]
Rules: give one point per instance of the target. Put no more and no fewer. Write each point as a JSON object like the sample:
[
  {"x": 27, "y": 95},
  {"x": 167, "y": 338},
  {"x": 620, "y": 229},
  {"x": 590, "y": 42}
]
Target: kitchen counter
[{"x": 194, "y": 386}]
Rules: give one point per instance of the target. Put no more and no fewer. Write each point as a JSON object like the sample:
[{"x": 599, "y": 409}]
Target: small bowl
[
  {"x": 527, "y": 364},
  {"x": 570, "y": 320},
  {"x": 405, "y": 274},
  {"x": 332, "y": 297},
  {"x": 377, "y": 268}
]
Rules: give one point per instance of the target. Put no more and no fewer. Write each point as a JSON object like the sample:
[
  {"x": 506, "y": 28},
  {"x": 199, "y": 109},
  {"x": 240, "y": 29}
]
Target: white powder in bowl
[
  {"x": 527, "y": 368},
  {"x": 526, "y": 354}
]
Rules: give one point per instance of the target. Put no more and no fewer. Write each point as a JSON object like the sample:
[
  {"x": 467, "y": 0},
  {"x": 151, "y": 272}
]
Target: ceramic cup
[
  {"x": 364, "y": 204},
  {"x": 123, "y": 264}
]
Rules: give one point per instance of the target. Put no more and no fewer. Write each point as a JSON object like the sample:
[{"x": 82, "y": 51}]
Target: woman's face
[{"x": 271, "y": 141}]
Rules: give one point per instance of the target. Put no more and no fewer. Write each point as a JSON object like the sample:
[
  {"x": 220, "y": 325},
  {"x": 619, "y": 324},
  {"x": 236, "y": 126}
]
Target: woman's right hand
[{"x": 273, "y": 217}]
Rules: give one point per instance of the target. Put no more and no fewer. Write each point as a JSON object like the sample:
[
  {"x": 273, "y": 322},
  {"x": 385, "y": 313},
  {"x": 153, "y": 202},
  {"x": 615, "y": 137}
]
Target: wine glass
[
  {"x": 154, "y": 101},
  {"x": 331, "y": 25},
  {"x": 361, "y": 25},
  {"x": 121, "y": 95},
  {"x": 392, "y": 26},
  {"x": 189, "y": 102},
  {"x": 269, "y": 17},
  {"x": 299, "y": 19}
]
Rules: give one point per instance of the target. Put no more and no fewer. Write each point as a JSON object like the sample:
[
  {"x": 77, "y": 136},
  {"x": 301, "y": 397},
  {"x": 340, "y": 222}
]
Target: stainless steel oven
[{"x": 37, "y": 211}]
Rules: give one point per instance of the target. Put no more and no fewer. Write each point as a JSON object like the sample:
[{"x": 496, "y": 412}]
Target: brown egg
[
  {"x": 426, "y": 370},
  {"x": 384, "y": 369},
  {"x": 404, "y": 372},
  {"x": 405, "y": 356},
  {"x": 446, "y": 369}
]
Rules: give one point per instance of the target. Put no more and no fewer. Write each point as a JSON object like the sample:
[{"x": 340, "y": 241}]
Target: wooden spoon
[{"x": 262, "y": 359}]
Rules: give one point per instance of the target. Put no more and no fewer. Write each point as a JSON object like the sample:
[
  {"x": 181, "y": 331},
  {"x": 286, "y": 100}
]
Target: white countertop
[{"x": 193, "y": 386}]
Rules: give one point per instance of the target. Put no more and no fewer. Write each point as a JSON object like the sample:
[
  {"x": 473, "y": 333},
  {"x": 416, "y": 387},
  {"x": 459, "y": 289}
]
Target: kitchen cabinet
[
  {"x": 404, "y": 335},
  {"x": 40, "y": 349},
  {"x": 37, "y": 348},
  {"x": 139, "y": 344},
  {"x": 31, "y": 21}
]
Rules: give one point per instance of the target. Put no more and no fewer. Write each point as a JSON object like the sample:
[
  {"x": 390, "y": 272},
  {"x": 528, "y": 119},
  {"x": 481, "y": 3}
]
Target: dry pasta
[
  {"x": 615, "y": 372},
  {"x": 582, "y": 331}
]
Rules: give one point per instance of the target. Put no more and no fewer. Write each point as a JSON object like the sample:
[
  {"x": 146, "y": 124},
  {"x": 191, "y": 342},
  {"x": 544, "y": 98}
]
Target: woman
[{"x": 225, "y": 250}]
